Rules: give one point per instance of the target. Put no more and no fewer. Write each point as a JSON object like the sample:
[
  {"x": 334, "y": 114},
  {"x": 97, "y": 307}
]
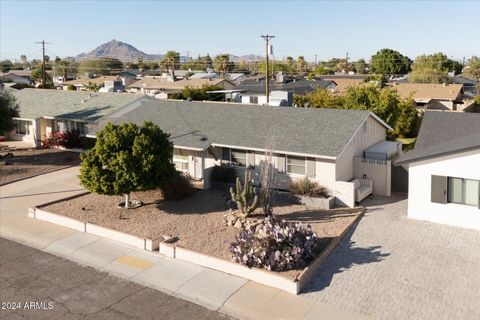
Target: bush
[
  {"x": 306, "y": 187},
  {"x": 223, "y": 173},
  {"x": 69, "y": 139},
  {"x": 277, "y": 246},
  {"x": 177, "y": 188}
]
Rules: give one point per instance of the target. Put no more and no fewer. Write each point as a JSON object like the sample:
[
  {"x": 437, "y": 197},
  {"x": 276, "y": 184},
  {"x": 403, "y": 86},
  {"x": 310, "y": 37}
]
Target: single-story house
[
  {"x": 444, "y": 170},
  {"x": 161, "y": 87},
  {"x": 15, "y": 77},
  {"x": 45, "y": 111},
  {"x": 257, "y": 85},
  {"x": 342, "y": 83},
  {"x": 81, "y": 84},
  {"x": 320, "y": 144},
  {"x": 431, "y": 96}
]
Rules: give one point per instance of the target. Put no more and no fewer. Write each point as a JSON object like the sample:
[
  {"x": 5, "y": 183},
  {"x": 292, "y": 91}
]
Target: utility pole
[
  {"x": 267, "y": 84},
  {"x": 44, "y": 70},
  {"x": 346, "y": 62}
]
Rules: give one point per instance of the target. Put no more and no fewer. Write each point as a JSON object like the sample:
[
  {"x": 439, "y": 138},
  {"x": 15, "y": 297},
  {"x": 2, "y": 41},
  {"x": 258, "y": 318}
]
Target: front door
[{"x": 198, "y": 167}]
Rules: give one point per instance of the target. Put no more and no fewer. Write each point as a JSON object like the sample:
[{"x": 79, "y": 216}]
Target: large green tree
[
  {"x": 398, "y": 113},
  {"x": 8, "y": 110},
  {"x": 128, "y": 158},
  {"x": 389, "y": 62},
  {"x": 473, "y": 68},
  {"x": 5, "y": 65},
  {"x": 431, "y": 68}
]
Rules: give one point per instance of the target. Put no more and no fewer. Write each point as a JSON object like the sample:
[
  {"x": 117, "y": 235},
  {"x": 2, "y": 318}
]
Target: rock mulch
[
  {"x": 21, "y": 164},
  {"x": 199, "y": 221}
]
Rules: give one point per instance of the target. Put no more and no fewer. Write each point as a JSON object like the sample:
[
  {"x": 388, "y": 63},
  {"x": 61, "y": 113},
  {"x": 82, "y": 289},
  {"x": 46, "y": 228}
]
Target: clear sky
[{"x": 326, "y": 28}]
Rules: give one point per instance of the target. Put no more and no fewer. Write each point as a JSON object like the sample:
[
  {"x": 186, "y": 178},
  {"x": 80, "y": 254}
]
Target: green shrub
[
  {"x": 223, "y": 173},
  {"x": 178, "y": 188},
  {"x": 306, "y": 187}
]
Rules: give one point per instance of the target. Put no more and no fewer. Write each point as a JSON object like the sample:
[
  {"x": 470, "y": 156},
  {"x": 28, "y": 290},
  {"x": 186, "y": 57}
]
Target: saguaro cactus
[{"x": 245, "y": 197}]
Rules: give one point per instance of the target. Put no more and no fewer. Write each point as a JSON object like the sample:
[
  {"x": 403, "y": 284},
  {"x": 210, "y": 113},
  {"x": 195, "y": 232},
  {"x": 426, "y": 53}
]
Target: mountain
[
  {"x": 120, "y": 50},
  {"x": 126, "y": 52}
]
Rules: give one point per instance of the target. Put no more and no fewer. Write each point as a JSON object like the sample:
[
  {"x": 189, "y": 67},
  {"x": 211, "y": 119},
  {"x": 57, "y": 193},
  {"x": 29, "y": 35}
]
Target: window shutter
[
  {"x": 281, "y": 163},
  {"x": 250, "y": 159},
  {"x": 439, "y": 189},
  {"x": 310, "y": 168},
  {"x": 226, "y": 154}
]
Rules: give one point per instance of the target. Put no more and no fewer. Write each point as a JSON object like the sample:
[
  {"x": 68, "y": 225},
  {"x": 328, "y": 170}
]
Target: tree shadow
[
  {"x": 200, "y": 202},
  {"x": 319, "y": 215},
  {"x": 373, "y": 201},
  {"x": 346, "y": 256},
  {"x": 49, "y": 158}
]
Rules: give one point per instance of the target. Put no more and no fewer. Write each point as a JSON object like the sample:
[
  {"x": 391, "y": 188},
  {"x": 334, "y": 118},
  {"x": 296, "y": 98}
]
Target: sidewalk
[{"x": 234, "y": 296}]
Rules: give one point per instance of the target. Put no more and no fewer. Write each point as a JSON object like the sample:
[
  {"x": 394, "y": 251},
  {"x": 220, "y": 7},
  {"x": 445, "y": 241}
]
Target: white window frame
[
  {"x": 181, "y": 161},
  {"x": 463, "y": 192},
  {"x": 26, "y": 123},
  {"x": 296, "y": 174}
]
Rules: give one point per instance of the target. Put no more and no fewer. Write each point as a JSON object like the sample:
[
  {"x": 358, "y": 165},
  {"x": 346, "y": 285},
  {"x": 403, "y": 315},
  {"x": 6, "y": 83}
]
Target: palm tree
[
  {"x": 221, "y": 63},
  {"x": 171, "y": 61}
]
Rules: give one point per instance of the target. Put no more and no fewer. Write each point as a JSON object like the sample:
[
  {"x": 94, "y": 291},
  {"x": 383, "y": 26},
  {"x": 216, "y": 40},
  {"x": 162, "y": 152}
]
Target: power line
[
  {"x": 267, "y": 39},
  {"x": 44, "y": 73}
]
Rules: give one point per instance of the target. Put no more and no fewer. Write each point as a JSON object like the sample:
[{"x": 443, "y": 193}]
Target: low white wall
[
  {"x": 461, "y": 165},
  {"x": 342, "y": 190},
  {"x": 257, "y": 275}
]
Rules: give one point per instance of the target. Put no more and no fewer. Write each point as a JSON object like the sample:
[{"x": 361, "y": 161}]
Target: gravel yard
[
  {"x": 197, "y": 221},
  {"x": 27, "y": 163}
]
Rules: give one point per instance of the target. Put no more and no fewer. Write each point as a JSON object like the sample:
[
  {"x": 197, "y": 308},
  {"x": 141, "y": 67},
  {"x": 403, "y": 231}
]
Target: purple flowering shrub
[{"x": 277, "y": 245}]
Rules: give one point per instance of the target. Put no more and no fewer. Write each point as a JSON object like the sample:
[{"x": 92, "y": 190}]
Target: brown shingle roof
[
  {"x": 97, "y": 80},
  {"x": 427, "y": 91},
  {"x": 161, "y": 83}
]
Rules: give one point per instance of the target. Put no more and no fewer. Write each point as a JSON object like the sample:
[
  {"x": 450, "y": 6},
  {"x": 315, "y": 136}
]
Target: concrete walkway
[
  {"x": 393, "y": 267},
  {"x": 214, "y": 290}
]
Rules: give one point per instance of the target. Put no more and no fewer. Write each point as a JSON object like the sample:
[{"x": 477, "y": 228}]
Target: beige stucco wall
[{"x": 368, "y": 134}]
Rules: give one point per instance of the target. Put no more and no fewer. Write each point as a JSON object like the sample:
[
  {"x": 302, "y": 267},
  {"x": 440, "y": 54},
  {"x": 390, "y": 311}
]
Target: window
[
  {"x": 463, "y": 191},
  {"x": 238, "y": 158},
  {"x": 22, "y": 127},
  {"x": 296, "y": 165},
  {"x": 180, "y": 160}
]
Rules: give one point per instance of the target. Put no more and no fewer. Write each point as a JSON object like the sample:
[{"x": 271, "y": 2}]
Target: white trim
[
  {"x": 189, "y": 148},
  {"x": 298, "y": 154},
  {"x": 296, "y": 174}
]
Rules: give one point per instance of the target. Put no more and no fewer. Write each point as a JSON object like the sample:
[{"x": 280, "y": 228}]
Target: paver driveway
[{"x": 393, "y": 267}]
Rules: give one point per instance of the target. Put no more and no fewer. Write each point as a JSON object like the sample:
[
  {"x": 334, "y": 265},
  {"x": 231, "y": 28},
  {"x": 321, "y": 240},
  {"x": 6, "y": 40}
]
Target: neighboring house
[
  {"x": 81, "y": 84},
  {"x": 444, "y": 170},
  {"x": 45, "y": 111},
  {"x": 469, "y": 86},
  {"x": 16, "y": 78},
  {"x": 320, "y": 144},
  {"x": 430, "y": 96},
  {"x": 161, "y": 87},
  {"x": 257, "y": 85},
  {"x": 342, "y": 83}
]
